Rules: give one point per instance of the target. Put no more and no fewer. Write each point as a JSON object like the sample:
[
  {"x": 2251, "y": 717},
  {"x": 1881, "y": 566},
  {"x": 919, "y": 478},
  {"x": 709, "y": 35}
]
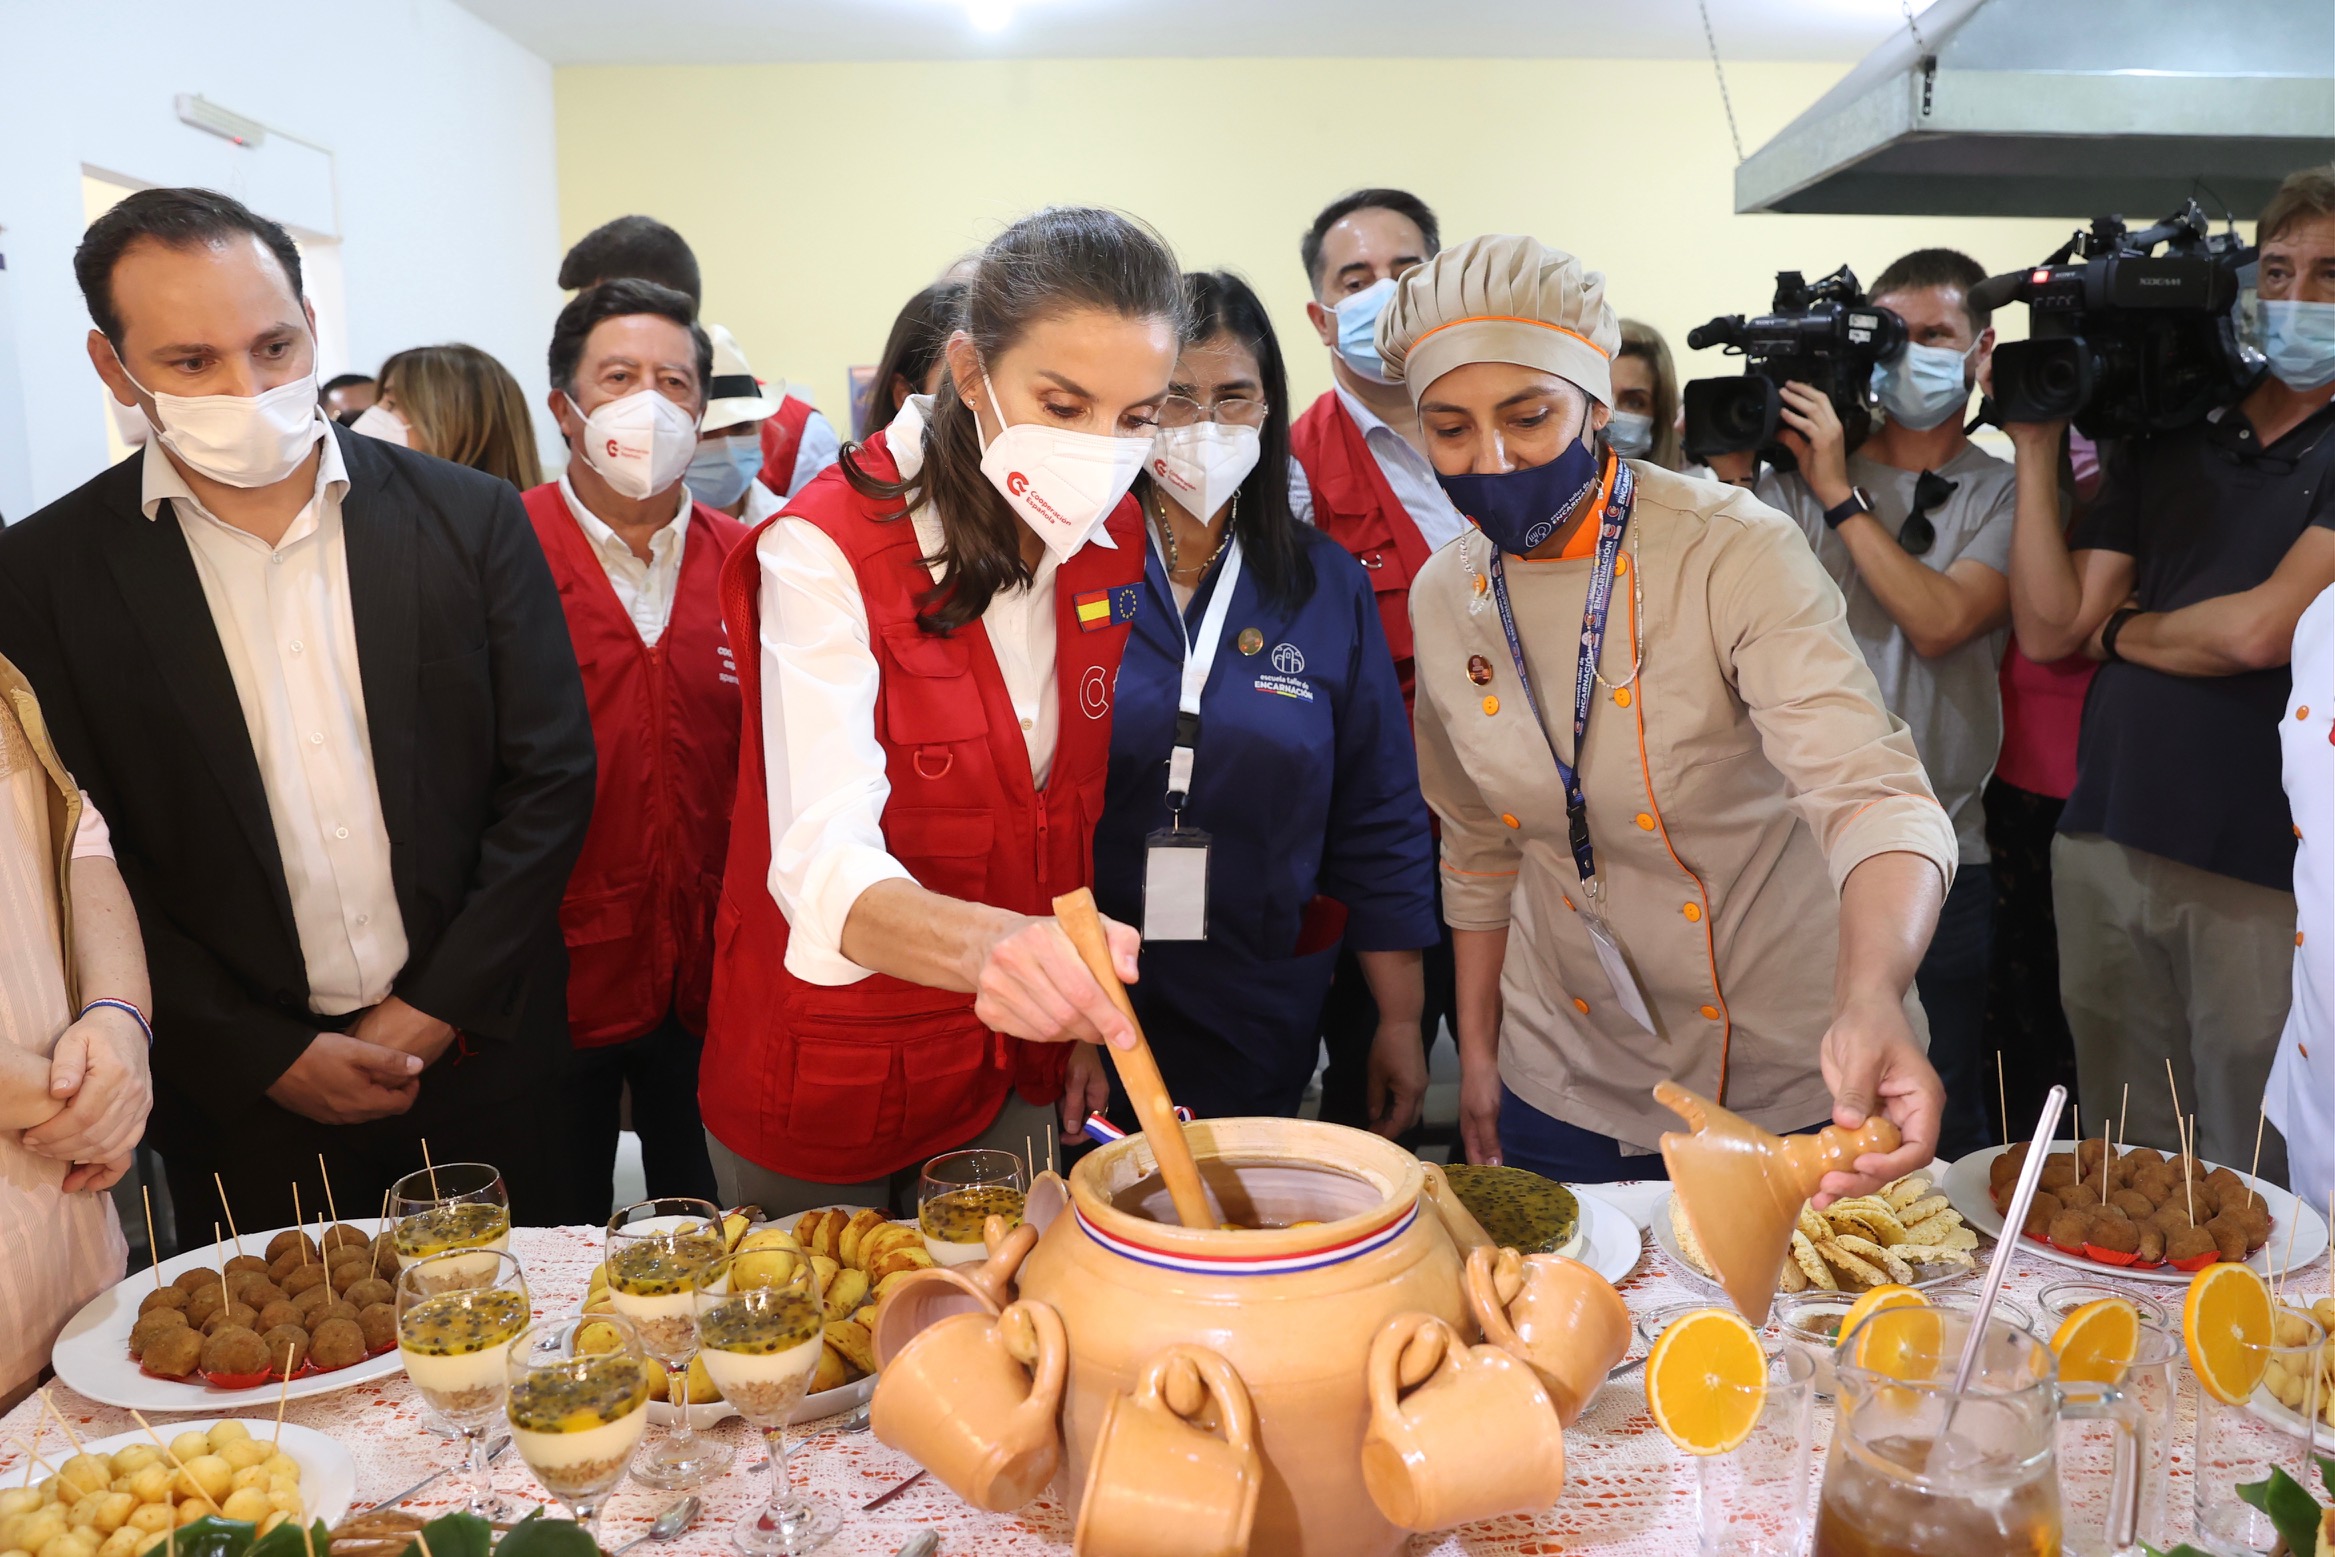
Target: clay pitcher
[
  {"x": 974, "y": 1400},
  {"x": 1556, "y": 1315},
  {"x": 922, "y": 1298},
  {"x": 1175, "y": 1470},
  {"x": 1742, "y": 1187},
  {"x": 1476, "y": 1435}
]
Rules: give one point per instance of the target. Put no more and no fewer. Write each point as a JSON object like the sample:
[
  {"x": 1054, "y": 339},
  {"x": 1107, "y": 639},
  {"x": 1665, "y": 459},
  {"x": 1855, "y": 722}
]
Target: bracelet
[
  {"x": 2115, "y": 626},
  {"x": 136, "y": 1015}
]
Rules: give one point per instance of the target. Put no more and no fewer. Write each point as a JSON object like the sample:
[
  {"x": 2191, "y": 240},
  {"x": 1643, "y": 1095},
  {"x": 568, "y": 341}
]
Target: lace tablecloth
[{"x": 1627, "y": 1491}]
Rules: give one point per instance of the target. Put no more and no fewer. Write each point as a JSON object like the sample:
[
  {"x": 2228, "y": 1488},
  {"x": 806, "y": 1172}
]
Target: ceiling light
[{"x": 989, "y": 15}]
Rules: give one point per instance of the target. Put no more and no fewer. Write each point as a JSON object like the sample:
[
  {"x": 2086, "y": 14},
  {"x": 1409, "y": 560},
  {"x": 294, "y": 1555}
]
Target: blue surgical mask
[
  {"x": 1924, "y": 386},
  {"x": 720, "y": 469},
  {"x": 1358, "y": 330},
  {"x": 1631, "y": 433},
  {"x": 2299, "y": 340},
  {"x": 1520, "y": 509}
]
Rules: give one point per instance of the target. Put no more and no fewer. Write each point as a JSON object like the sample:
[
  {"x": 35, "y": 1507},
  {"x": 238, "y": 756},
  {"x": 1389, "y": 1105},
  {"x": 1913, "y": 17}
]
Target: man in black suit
[{"x": 322, "y": 689}]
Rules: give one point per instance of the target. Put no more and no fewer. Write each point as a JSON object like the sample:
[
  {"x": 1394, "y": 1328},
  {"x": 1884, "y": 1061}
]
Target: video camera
[
  {"x": 2124, "y": 341},
  {"x": 1822, "y": 333}
]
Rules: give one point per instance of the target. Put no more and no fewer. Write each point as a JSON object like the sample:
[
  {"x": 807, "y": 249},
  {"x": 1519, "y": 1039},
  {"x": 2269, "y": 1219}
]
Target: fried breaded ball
[
  {"x": 2189, "y": 1243},
  {"x": 2133, "y": 1204},
  {"x": 2088, "y": 1156},
  {"x": 174, "y": 1353},
  {"x": 164, "y": 1297},
  {"x": 284, "y": 1264},
  {"x": 2079, "y": 1194},
  {"x": 309, "y": 1299},
  {"x": 159, "y": 1322},
  {"x": 342, "y": 1236},
  {"x": 2068, "y": 1230},
  {"x": 301, "y": 1280},
  {"x": 336, "y": 1343},
  {"x": 238, "y": 1314},
  {"x": 2229, "y": 1236},
  {"x": 278, "y": 1338},
  {"x": 291, "y": 1241},
  {"x": 2172, "y": 1216},
  {"x": 204, "y": 1302},
  {"x": 235, "y": 1349},
  {"x": 254, "y": 1289},
  {"x": 2058, "y": 1172},
  {"x": 379, "y": 1323},
  {"x": 2188, "y": 1165},
  {"x": 2239, "y": 1197},
  {"x": 281, "y": 1312},
  {"x": 385, "y": 1261},
  {"x": 250, "y": 1262},
  {"x": 2040, "y": 1211},
  {"x": 2256, "y": 1221},
  {"x": 338, "y": 1308},
  {"x": 2223, "y": 1181},
  {"x": 362, "y": 1295},
  {"x": 2152, "y": 1245},
  {"x": 2113, "y": 1233},
  {"x": 195, "y": 1280}
]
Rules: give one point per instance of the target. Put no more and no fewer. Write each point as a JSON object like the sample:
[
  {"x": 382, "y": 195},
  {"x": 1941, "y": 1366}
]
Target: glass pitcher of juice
[{"x": 1918, "y": 1469}]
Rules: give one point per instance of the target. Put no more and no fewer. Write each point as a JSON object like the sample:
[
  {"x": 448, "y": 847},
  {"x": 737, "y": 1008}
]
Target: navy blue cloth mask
[{"x": 1519, "y": 509}]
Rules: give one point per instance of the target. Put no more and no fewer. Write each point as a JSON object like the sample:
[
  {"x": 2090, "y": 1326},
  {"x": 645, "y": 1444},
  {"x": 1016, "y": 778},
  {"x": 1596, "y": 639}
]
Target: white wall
[{"x": 441, "y": 130}]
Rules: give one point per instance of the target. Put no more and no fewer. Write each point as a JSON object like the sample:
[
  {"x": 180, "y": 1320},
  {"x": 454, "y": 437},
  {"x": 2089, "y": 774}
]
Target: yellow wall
[{"x": 874, "y": 177}]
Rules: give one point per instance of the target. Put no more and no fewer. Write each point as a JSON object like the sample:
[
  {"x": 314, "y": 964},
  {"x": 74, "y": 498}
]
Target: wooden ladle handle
[{"x": 1138, "y": 1071}]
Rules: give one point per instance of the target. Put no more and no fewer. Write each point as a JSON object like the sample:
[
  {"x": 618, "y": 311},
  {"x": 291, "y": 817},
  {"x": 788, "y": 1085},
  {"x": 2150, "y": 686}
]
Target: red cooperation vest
[
  {"x": 839, "y": 1084},
  {"x": 782, "y": 440},
  {"x": 638, "y": 913},
  {"x": 1353, "y": 505}
]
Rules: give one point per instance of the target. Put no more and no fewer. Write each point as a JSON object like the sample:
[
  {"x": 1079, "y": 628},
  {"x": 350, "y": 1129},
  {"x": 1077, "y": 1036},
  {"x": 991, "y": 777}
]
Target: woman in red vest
[{"x": 936, "y": 628}]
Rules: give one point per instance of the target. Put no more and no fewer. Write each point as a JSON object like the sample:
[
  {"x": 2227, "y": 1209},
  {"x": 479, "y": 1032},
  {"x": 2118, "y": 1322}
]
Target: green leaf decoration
[
  {"x": 2291, "y": 1509},
  {"x": 533, "y": 1537},
  {"x": 2183, "y": 1550},
  {"x": 285, "y": 1541},
  {"x": 212, "y": 1536},
  {"x": 2327, "y": 1474},
  {"x": 455, "y": 1535}
]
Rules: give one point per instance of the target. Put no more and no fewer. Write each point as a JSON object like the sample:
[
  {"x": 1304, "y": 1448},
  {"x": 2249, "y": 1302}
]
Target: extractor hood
[{"x": 2064, "y": 108}]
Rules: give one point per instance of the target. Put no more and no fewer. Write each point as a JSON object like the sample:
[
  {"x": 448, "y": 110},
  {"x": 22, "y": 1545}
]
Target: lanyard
[
  {"x": 1613, "y": 518},
  {"x": 1199, "y": 658}
]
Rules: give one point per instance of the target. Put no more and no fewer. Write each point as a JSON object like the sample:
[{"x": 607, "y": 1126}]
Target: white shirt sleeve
[
  {"x": 817, "y": 449},
  {"x": 1300, "y": 492},
  {"x": 92, "y": 839},
  {"x": 823, "y": 767}
]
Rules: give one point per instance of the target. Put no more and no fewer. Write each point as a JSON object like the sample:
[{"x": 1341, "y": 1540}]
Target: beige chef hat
[{"x": 1501, "y": 299}]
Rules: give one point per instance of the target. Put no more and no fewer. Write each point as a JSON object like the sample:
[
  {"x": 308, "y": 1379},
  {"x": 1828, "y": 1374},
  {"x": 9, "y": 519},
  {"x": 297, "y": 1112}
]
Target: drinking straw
[{"x": 2014, "y": 1218}]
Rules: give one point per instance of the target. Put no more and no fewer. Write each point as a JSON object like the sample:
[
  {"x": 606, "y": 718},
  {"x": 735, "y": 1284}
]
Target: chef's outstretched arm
[{"x": 1888, "y": 908}]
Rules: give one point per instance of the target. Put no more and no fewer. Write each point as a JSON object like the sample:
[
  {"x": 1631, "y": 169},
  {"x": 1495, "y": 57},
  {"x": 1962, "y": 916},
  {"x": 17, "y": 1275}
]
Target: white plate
[
  {"x": 328, "y": 1476},
  {"x": 1965, "y": 1185},
  {"x": 1669, "y": 1242},
  {"x": 93, "y": 1353},
  {"x": 1610, "y": 1241}
]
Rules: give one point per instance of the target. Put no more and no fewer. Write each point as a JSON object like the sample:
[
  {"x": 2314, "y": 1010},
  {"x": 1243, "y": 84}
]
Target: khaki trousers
[
  {"x": 2160, "y": 960},
  {"x": 1018, "y": 1128}
]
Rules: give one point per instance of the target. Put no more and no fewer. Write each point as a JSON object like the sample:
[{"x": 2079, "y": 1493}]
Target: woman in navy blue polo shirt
[{"x": 1263, "y": 802}]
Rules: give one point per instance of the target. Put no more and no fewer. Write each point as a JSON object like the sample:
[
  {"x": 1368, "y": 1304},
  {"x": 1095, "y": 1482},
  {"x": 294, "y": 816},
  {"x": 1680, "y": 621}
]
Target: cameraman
[
  {"x": 2173, "y": 870},
  {"x": 1915, "y": 528}
]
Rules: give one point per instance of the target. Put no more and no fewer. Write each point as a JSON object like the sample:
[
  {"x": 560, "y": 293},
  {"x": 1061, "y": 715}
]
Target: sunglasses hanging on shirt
[{"x": 1917, "y": 535}]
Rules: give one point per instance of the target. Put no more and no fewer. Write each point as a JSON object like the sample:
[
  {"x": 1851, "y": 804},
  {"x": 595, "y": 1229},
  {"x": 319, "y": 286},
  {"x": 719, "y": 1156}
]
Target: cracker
[
  {"x": 1850, "y": 1265},
  {"x": 1876, "y": 1254},
  {"x": 1905, "y": 1191},
  {"x": 1923, "y": 1209},
  {"x": 1812, "y": 1264}
]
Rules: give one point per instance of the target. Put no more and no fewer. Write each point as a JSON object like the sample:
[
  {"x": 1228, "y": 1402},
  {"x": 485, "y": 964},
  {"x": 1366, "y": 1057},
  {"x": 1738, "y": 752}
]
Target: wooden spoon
[{"x": 1138, "y": 1071}]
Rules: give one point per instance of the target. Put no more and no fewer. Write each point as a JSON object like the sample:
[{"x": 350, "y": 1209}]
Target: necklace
[{"x": 1167, "y": 539}]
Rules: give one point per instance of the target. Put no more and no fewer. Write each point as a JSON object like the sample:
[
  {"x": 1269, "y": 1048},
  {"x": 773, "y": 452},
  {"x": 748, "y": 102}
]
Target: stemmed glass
[
  {"x": 578, "y": 1412},
  {"x": 760, "y": 1346},
  {"x": 959, "y": 1193},
  {"x": 659, "y": 1253},
  {"x": 456, "y": 1319},
  {"x": 454, "y": 1205}
]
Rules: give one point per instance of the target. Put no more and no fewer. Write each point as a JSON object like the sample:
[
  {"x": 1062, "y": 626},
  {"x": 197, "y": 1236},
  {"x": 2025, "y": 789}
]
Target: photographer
[
  {"x": 1915, "y": 528},
  {"x": 2172, "y": 873}
]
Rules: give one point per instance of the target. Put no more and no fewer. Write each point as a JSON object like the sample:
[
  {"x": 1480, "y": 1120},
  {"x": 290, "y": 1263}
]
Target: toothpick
[
  {"x": 230, "y": 1210},
  {"x": 329, "y": 1203},
  {"x": 2103, "y": 1162},
  {"x": 284, "y": 1392},
  {"x": 31, "y": 1458},
  {"x": 320, "y": 1232},
  {"x": 307, "y": 1539},
  {"x": 2175, "y": 1088},
  {"x": 71, "y": 1437},
  {"x": 226, "y": 1298},
  {"x": 425, "y": 1542},
  {"x": 434, "y": 1195},
  {"x": 2002, "y": 1095},
  {"x": 2286, "y": 1261},
  {"x": 2121, "y": 1109},
  {"x": 2261, "y": 1117},
  {"x": 2076, "y": 1111},
  {"x": 1030, "y": 1150},
  {"x": 299, "y": 1222},
  {"x": 153, "y": 1249},
  {"x": 33, "y": 1449},
  {"x": 2188, "y": 1157},
  {"x": 179, "y": 1464}
]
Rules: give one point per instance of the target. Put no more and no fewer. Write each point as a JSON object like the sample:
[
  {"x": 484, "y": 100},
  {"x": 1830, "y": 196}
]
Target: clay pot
[
  {"x": 1554, "y": 1314},
  {"x": 974, "y": 1400},
  {"x": 1476, "y": 1436},
  {"x": 1175, "y": 1469},
  {"x": 1291, "y": 1309}
]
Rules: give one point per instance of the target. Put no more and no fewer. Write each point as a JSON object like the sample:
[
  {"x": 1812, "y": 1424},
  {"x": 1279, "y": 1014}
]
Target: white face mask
[
  {"x": 1631, "y": 433},
  {"x": 240, "y": 440},
  {"x": 378, "y": 421},
  {"x": 1202, "y": 465},
  {"x": 641, "y": 444},
  {"x": 1063, "y": 484}
]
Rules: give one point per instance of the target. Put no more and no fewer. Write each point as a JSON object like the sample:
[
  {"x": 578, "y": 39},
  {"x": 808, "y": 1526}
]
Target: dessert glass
[
  {"x": 659, "y": 1253},
  {"x": 577, "y": 1412},
  {"x": 958, "y": 1194},
  {"x": 760, "y": 1346},
  {"x": 455, "y": 1323},
  {"x": 455, "y": 1206}
]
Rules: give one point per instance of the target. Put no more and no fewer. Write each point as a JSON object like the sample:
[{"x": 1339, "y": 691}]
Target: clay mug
[
  {"x": 1555, "y": 1314},
  {"x": 1476, "y": 1437},
  {"x": 976, "y": 1399},
  {"x": 1161, "y": 1484},
  {"x": 923, "y": 1298}
]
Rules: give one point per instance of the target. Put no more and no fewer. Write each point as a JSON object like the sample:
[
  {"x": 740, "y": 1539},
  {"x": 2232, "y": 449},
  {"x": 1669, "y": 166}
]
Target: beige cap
[
  {"x": 1501, "y": 299},
  {"x": 735, "y": 395}
]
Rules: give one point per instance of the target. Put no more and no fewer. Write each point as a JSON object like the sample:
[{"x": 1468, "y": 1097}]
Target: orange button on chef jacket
[
  {"x": 638, "y": 912},
  {"x": 839, "y": 1084}
]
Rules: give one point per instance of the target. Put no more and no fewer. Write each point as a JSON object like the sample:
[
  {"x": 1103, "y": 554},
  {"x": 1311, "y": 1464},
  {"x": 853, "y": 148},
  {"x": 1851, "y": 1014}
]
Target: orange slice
[
  {"x": 2096, "y": 1343},
  {"x": 2226, "y": 1325},
  {"x": 1706, "y": 1381},
  {"x": 1887, "y": 1295},
  {"x": 1902, "y": 1341}
]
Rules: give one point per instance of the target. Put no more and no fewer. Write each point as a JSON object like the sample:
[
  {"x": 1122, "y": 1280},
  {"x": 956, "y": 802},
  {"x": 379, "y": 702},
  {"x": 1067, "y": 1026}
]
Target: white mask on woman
[
  {"x": 640, "y": 444},
  {"x": 240, "y": 440},
  {"x": 1062, "y": 483},
  {"x": 378, "y": 421},
  {"x": 1202, "y": 465}
]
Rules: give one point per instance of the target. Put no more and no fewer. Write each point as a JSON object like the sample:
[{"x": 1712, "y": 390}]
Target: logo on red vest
[
  {"x": 1094, "y": 692},
  {"x": 1101, "y": 608}
]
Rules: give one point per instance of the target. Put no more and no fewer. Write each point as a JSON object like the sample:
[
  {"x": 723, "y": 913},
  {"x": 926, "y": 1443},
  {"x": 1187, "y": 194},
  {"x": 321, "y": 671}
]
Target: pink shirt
[{"x": 2043, "y": 705}]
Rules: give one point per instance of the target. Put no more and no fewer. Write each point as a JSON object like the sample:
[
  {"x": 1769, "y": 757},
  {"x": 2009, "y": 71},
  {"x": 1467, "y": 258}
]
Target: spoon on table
[{"x": 668, "y": 1524}]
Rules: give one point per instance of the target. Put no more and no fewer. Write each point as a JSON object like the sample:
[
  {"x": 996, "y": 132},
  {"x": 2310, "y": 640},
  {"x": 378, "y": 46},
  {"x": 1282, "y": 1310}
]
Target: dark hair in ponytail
[
  {"x": 1217, "y": 302},
  {"x": 1046, "y": 264}
]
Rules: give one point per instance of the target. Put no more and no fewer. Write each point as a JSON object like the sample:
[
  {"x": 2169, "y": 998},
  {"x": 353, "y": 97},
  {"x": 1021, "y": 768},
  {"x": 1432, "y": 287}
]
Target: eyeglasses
[
  {"x": 1917, "y": 535},
  {"x": 1231, "y": 411}
]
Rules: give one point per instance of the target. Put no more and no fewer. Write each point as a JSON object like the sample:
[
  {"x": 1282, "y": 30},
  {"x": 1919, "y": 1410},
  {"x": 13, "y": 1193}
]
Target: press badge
[
  {"x": 1617, "y": 968},
  {"x": 1175, "y": 885}
]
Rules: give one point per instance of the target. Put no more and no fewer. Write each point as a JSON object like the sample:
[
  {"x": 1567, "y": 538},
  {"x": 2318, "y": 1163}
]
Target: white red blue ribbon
[{"x": 1100, "y": 1129}]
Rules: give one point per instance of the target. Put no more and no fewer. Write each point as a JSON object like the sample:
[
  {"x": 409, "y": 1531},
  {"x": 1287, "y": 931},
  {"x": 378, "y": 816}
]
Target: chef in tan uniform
[{"x": 1735, "y": 887}]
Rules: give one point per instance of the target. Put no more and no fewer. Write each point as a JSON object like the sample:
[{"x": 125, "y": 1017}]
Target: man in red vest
[
  {"x": 1359, "y": 472},
  {"x": 638, "y": 564}
]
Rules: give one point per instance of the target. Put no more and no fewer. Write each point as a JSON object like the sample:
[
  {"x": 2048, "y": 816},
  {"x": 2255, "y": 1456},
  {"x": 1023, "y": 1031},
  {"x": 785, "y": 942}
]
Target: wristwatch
[
  {"x": 2113, "y": 628},
  {"x": 1857, "y": 502}
]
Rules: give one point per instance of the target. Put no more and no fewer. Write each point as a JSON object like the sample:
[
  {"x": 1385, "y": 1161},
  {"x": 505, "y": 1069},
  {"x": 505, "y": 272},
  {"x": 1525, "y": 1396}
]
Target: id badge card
[
  {"x": 1618, "y": 976},
  {"x": 1175, "y": 885}
]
